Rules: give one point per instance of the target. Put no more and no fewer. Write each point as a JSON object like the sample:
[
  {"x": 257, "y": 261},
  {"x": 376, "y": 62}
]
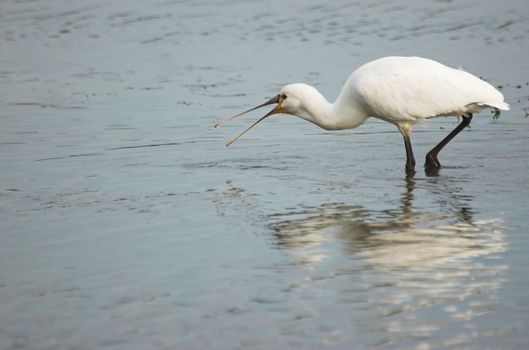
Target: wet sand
[{"x": 125, "y": 223}]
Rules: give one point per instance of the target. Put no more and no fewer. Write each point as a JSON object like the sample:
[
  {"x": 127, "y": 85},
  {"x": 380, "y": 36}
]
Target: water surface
[{"x": 125, "y": 223}]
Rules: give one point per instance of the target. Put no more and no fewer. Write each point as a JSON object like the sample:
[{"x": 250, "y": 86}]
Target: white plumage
[
  {"x": 411, "y": 88},
  {"x": 399, "y": 90}
]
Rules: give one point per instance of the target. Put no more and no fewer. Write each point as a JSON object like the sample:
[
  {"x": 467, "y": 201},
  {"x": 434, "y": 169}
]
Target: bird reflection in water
[
  {"x": 400, "y": 264},
  {"x": 403, "y": 237}
]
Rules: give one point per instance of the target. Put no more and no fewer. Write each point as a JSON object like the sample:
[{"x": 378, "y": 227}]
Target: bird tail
[{"x": 500, "y": 105}]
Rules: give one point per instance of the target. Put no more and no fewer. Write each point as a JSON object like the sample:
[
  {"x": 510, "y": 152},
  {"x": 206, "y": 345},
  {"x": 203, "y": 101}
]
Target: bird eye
[{"x": 283, "y": 97}]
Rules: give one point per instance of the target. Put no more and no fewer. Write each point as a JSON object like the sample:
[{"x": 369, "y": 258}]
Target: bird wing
[{"x": 410, "y": 88}]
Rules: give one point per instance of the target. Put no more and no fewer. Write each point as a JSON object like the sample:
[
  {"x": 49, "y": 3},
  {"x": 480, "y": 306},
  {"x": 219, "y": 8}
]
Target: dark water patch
[
  {"x": 149, "y": 145},
  {"x": 144, "y": 18},
  {"x": 149, "y": 88},
  {"x": 160, "y": 38},
  {"x": 94, "y": 74},
  {"x": 205, "y": 86},
  {"x": 241, "y": 164},
  {"x": 505, "y": 25},
  {"x": 45, "y": 105},
  {"x": 28, "y": 14},
  {"x": 13, "y": 143},
  {"x": 187, "y": 103},
  {"x": 119, "y": 127},
  {"x": 70, "y": 156},
  {"x": 27, "y": 132}
]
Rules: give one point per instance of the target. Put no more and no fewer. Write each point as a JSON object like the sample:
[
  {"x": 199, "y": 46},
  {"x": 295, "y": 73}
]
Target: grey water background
[{"x": 126, "y": 224}]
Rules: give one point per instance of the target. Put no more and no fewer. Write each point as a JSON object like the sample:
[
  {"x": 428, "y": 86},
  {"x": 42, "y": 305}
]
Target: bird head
[{"x": 288, "y": 101}]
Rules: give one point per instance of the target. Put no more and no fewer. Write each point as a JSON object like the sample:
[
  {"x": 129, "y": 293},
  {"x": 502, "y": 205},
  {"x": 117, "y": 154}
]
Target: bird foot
[
  {"x": 432, "y": 165},
  {"x": 432, "y": 161}
]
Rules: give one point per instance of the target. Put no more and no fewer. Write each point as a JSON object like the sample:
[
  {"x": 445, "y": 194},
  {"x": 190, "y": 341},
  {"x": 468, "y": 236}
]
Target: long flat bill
[{"x": 269, "y": 102}]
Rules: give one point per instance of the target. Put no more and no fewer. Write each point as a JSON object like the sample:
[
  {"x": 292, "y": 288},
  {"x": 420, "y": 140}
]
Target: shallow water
[{"x": 125, "y": 223}]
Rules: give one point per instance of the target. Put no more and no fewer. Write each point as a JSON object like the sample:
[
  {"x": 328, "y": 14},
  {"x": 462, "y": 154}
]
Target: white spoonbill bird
[{"x": 398, "y": 90}]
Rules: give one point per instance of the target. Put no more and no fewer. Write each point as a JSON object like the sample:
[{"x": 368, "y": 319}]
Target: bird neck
[{"x": 344, "y": 113}]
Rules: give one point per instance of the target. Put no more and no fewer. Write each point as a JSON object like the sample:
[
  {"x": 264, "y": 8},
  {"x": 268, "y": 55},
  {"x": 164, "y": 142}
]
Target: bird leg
[
  {"x": 405, "y": 130},
  {"x": 410, "y": 159},
  {"x": 432, "y": 163}
]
